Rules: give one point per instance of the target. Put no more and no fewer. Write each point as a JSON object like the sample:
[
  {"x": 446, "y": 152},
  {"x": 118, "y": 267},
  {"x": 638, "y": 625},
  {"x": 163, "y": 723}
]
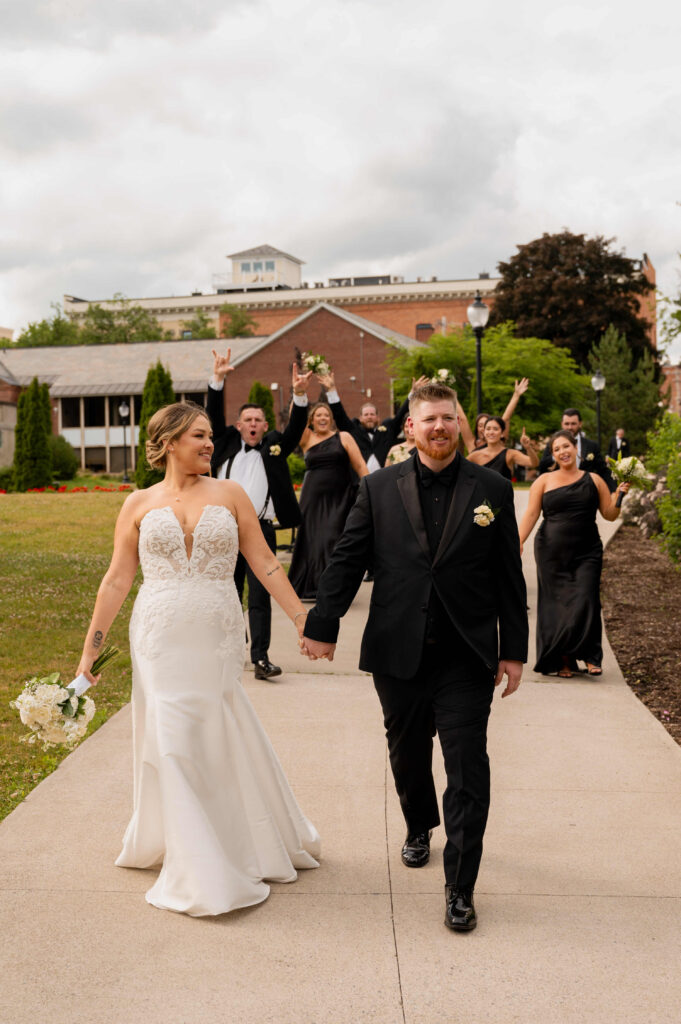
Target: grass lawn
[{"x": 54, "y": 550}]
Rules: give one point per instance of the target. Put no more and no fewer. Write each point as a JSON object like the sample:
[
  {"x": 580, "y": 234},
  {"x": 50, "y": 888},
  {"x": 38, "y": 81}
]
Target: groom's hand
[
  {"x": 514, "y": 671},
  {"x": 317, "y": 649}
]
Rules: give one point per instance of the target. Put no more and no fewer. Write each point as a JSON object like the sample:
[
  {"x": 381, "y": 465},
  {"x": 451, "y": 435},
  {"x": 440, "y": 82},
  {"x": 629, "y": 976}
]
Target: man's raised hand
[
  {"x": 327, "y": 380},
  {"x": 418, "y": 382},
  {"x": 299, "y": 381},
  {"x": 222, "y": 365}
]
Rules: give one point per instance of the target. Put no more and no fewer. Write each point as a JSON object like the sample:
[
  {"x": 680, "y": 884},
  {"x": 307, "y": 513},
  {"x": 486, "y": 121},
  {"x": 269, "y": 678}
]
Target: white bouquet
[
  {"x": 316, "y": 363},
  {"x": 444, "y": 376},
  {"x": 57, "y": 714},
  {"x": 629, "y": 471}
]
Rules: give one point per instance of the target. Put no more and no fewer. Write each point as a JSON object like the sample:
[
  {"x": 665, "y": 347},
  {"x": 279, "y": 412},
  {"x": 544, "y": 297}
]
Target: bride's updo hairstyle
[{"x": 165, "y": 426}]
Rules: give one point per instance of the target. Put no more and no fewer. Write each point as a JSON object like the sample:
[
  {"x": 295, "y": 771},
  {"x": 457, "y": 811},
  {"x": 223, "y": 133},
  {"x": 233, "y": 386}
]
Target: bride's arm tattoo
[
  {"x": 270, "y": 572},
  {"x": 97, "y": 639}
]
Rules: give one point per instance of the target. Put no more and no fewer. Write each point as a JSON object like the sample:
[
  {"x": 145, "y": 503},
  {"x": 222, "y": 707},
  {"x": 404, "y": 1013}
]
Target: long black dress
[
  {"x": 499, "y": 465},
  {"x": 326, "y": 498},
  {"x": 569, "y": 556}
]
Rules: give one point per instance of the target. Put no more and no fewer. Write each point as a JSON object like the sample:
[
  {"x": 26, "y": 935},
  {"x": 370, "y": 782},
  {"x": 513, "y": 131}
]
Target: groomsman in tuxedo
[
  {"x": 255, "y": 457},
  {"x": 618, "y": 444},
  {"x": 589, "y": 457},
  {"x": 374, "y": 438},
  {"x": 447, "y": 621}
]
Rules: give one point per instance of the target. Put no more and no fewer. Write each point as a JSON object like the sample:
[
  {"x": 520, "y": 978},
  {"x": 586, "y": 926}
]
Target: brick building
[
  {"x": 88, "y": 383},
  {"x": 9, "y": 396}
]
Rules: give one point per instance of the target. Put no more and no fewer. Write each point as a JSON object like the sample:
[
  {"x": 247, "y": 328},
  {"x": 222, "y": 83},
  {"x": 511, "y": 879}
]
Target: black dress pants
[
  {"x": 259, "y": 604},
  {"x": 451, "y": 695}
]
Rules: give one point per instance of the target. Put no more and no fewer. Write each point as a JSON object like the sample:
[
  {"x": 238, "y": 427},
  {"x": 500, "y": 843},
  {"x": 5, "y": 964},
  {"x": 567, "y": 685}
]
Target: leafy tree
[
  {"x": 122, "y": 325},
  {"x": 555, "y": 380},
  {"x": 32, "y": 458},
  {"x": 53, "y": 330},
  {"x": 239, "y": 323},
  {"x": 670, "y": 320},
  {"x": 65, "y": 461},
  {"x": 201, "y": 325},
  {"x": 158, "y": 391},
  {"x": 261, "y": 395},
  {"x": 631, "y": 397},
  {"x": 569, "y": 288},
  {"x": 664, "y": 456}
]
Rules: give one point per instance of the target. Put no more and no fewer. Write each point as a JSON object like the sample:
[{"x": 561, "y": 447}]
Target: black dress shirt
[{"x": 436, "y": 490}]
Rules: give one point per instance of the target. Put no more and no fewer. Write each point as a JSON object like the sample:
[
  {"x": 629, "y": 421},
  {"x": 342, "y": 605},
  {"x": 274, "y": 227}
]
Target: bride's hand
[
  {"x": 84, "y": 667},
  {"x": 299, "y": 622}
]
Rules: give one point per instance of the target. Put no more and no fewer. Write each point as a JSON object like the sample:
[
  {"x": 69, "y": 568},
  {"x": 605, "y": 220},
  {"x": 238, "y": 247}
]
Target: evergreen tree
[
  {"x": 238, "y": 323},
  {"x": 158, "y": 391},
  {"x": 261, "y": 395},
  {"x": 631, "y": 397},
  {"x": 32, "y": 455},
  {"x": 46, "y": 406}
]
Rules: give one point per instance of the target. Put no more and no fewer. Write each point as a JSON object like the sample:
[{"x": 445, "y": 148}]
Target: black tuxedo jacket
[
  {"x": 592, "y": 461},
  {"x": 613, "y": 450},
  {"x": 227, "y": 441},
  {"x": 385, "y": 436},
  {"x": 476, "y": 571}
]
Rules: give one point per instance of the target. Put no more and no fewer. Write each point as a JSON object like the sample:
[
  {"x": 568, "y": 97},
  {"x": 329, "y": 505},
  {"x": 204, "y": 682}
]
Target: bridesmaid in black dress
[
  {"x": 326, "y": 498},
  {"x": 569, "y": 554},
  {"x": 495, "y": 455}
]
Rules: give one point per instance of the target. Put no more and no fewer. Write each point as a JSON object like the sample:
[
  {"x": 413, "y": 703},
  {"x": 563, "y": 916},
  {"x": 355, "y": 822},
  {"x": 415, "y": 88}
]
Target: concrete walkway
[{"x": 579, "y": 896}]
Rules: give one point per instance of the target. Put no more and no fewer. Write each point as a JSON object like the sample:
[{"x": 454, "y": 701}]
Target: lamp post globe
[
  {"x": 598, "y": 383},
  {"x": 478, "y": 315},
  {"x": 124, "y": 412}
]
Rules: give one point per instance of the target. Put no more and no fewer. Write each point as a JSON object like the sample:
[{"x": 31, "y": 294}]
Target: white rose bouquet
[
  {"x": 316, "y": 363},
  {"x": 57, "y": 714},
  {"x": 629, "y": 471},
  {"x": 444, "y": 376}
]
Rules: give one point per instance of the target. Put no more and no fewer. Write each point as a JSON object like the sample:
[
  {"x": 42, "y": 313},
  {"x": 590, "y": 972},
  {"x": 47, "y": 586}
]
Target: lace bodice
[
  {"x": 195, "y": 592},
  {"x": 163, "y": 553}
]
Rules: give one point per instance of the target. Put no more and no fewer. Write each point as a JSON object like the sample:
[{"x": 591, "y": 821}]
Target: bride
[{"x": 211, "y": 802}]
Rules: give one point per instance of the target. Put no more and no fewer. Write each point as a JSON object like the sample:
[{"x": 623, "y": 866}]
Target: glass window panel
[
  {"x": 245, "y": 268},
  {"x": 269, "y": 264},
  {"x": 94, "y": 411},
  {"x": 70, "y": 412},
  {"x": 257, "y": 265}
]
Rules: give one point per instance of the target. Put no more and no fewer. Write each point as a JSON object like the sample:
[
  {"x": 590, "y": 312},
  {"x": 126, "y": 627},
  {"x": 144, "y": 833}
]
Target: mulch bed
[{"x": 641, "y": 593}]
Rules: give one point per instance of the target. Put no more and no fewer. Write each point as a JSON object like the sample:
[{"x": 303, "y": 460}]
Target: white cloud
[{"x": 144, "y": 141}]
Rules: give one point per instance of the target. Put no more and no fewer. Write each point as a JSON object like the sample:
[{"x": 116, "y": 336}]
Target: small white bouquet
[
  {"x": 316, "y": 363},
  {"x": 57, "y": 714},
  {"x": 629, "y": 471},
  {"x": 444, "y": 376}
]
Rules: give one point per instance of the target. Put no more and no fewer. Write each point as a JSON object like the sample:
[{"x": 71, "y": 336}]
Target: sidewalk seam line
[{"x": 390, "y": 886}]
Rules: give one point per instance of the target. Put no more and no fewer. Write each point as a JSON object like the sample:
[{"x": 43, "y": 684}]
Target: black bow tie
[
  {"x": 445, "y": 477},
  {"x": 253, "y": 447}
]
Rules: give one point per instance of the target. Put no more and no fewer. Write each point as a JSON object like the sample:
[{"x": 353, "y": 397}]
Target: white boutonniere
[
  {"x": 484, "y": 515},
  {"x": 275, "y": 449},
  {"x": 381, "y": 428},
  {"x": 589, "y": 457}
]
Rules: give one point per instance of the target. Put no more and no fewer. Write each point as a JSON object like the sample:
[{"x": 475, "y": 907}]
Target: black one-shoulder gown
[{"x": 569, "y": 557}]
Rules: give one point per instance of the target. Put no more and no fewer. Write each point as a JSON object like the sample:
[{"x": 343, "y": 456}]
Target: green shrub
[
  {"x": 296, "y": 467},
  {"x": 32, "y": 459},
  {"x": 158, "y": 391},
  {"x": 6, "y": 478},
  {"x": 261, "y": 395},
  {"x": 664, "y": 456},
  {"x": 65, "y": 462}
]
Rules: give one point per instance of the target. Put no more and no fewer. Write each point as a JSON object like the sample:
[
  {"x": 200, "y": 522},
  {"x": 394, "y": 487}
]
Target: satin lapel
[
  {"x": 463, "y": 492},
  {"x": 408, "y": 487}
]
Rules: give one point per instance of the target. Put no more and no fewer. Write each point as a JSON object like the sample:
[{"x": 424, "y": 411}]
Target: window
[
  {"x": 245, "y": 268},
  {"x": 196, "y": 396},
  {"x": 70, "y": 412},
  {"x": 187, "y": 335},
  {"x": 93, "y": 411},
  {"x": 257, "y": 265},
  {"x": 269, "y": 264}
]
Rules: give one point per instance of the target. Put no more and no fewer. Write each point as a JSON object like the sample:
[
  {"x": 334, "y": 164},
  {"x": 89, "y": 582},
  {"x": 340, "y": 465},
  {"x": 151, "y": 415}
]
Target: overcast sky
[{"x": 143, "y": 140}]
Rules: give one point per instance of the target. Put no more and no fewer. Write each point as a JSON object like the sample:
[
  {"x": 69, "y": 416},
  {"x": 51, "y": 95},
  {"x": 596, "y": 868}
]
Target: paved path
[{"x": 579, "y": 896}]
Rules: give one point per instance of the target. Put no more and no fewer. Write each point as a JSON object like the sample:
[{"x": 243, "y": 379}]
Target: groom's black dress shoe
[
  {"x": 459, "y": 909},
  {"x": 416, "y": 850},
  {"x": 264, "y": 669}
]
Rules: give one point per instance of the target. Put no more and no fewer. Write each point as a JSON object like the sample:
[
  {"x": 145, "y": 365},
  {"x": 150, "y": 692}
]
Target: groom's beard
[{"x": 434, "y": 452}]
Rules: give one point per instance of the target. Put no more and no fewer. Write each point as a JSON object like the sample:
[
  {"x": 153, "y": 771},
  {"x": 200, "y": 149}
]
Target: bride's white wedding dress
[{"x": 211, "y": 802}]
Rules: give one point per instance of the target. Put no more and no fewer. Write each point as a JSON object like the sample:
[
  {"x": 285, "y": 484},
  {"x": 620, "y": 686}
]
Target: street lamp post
[
  {"x": 124, "y": 412},
  {"x": 478, "y": 315},
  {"x": 598, "y": 383}
]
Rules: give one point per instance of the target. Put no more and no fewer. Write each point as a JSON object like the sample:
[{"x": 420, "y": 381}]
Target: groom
[{"x": 447, "y": 622}]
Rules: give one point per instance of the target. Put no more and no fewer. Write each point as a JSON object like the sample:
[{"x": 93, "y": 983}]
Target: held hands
[
  {"x": 222, "y": 365},
  {"x": 317, "y": 649},
  {"x": 513, "y": 670}
]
